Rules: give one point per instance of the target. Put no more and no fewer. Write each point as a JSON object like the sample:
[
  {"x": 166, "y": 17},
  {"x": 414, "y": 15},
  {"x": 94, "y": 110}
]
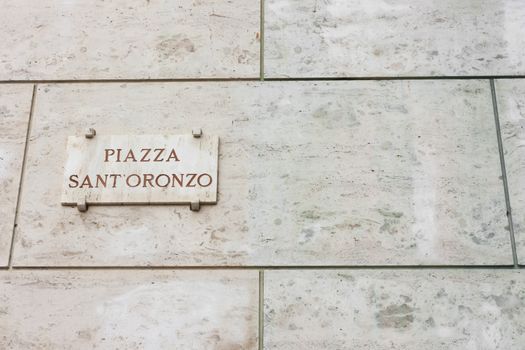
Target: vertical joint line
[
  {"x": 261, "y": 309},
  {"x": 261, "y": 41},
  {"x": 504, "y": 172},
  {"x": 22, "y": 171}
]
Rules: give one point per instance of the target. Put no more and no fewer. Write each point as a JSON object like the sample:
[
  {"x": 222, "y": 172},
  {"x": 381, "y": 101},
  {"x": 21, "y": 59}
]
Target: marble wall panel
[
  {"x": 122, "y": 39},
  {"x": 377, "y": 38},
  {"x": 397, "y": 309},
  {"x": 310, "y": 173},
  {"x": 110, "y": 309}
]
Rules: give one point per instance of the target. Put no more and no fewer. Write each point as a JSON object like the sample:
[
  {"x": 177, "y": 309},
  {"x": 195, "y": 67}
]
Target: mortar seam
[
  {"x": 255, "y": 79},
  {"x": 276, "y": 267},
  {"x": 261, "y": 47},
  {"x": 261, "y": 309},
  {"x": 504, "y": 173},
  {"x": 22, "y": 172}
]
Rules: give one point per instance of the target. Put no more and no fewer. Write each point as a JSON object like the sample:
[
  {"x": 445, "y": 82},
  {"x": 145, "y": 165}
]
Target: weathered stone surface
[
  {"x": 401, "y": 309},
  {"x": 15, "y": 103},
  {"x": 110, "y": 309},
  {"x": 122, "y": 39},
  {"x": 310, "y": 173},
  {"x": 511, "y": 104},
  {"x": 311, "y": 38}
]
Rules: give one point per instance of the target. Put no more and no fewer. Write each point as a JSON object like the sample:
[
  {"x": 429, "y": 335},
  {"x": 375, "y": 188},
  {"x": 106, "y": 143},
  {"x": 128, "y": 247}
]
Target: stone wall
[{"x": 370, "y": 154}]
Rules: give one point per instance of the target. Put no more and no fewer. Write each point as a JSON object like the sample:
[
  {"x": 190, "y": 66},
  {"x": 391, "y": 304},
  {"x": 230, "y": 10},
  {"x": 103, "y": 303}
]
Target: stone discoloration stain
[
  {"x": 395, "y": 316},
  {"x": 175, "y": 46}
]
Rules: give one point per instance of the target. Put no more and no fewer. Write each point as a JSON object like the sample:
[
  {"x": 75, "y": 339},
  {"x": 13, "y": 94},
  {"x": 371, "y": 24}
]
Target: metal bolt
[
  {"x": 91, "y": 133},
  {"x": 82, "y": 205},
  {"x": 195, "y": 206},
  {"x": 197, "y": 132}
]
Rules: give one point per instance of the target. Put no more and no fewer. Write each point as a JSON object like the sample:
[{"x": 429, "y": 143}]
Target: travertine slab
[
  {"x": 311, "y": 38},
  {"x": 403, "y": 309},
  {"x": 123, "y": 39},
  {"x": 15, "y": 103},
  {"x": 310, "y": 173},
  {"x": 141, "y": 169},
  {"x": 110, "y": 309},
  {"x": 511, "y": 104}
]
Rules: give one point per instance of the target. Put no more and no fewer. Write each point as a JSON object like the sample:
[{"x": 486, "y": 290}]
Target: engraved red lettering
[
  {"x": 107, "y": 153},
  {"x": 101, "y": 180},
  {"x": 129, "y": 178},
  {"x": 173, "y": 155},
  {"x": 119, "y": 151},
  {"x": 148, "y": 179},
  {"x": 159, "y": 152},
  {"x": 145, "y": 152},
  {"x": 131, "y": 156},
  {"x": 204, "y": 180},
  {"x": 114, "y": 177},
  {"x": 73, "y": 179},
  {"x": 86, "y": 182},
  {"x": 157, "y": 180},
  {"x": 190, "y": 182},
  {"x": 176, "y": 178}
]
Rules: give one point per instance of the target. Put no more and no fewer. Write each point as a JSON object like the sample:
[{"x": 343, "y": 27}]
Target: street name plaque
[{"x": 141, "y": 169}]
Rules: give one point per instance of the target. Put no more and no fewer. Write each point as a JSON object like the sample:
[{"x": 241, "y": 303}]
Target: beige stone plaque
[{"x": 141, "y": 169}]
